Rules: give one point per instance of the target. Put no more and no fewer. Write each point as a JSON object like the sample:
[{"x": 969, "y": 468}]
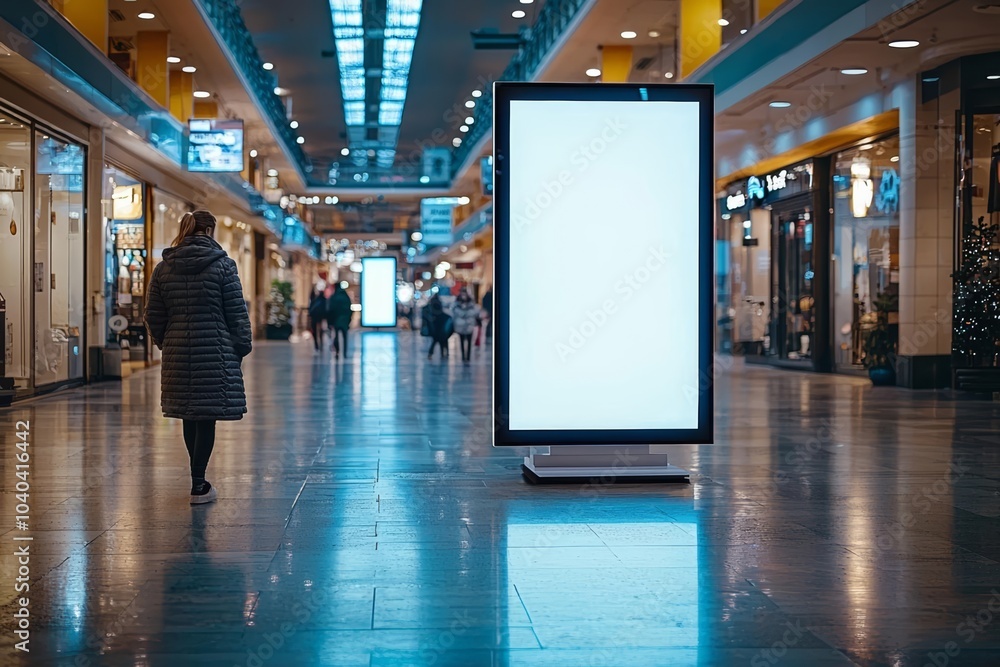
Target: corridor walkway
[{"x": 364, "y": 519}]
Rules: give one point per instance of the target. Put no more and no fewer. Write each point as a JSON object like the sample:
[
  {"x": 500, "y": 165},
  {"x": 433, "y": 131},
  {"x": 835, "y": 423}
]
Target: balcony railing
[
  {"x": 552, "y": 22},
  {"x": 227, "y": 20}
]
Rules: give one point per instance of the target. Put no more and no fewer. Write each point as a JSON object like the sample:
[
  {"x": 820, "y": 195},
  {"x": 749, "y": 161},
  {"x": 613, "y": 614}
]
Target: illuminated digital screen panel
[
  {"x": 378, "y": 292},
  {"x": 603, "y": 260}
]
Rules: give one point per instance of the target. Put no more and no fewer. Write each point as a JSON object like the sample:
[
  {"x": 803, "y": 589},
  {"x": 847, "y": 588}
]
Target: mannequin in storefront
[{"x": 196, "y": 314}]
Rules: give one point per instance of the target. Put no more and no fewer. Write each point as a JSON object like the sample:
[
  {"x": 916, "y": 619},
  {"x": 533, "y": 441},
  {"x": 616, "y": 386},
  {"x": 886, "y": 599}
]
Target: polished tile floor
[{"x": 364, "y": 519}]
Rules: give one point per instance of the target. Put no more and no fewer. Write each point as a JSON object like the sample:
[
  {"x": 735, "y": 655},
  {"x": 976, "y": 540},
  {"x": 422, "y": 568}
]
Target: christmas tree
[
  {"x": 278, "y": 300},
  {"x": 976, "y": 339}
]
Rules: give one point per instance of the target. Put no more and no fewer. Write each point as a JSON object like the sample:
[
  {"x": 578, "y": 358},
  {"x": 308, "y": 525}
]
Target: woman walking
[
  {"x": 196, "y": 314},
  {"x": 466, "y": 314},
  {"x": 340, "y": 314},
  {"x": 439, "y": 324},
  {"x": 317, "y": 315}
]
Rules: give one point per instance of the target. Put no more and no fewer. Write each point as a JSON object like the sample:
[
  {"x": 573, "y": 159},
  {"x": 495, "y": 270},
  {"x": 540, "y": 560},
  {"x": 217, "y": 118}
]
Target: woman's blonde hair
[{"x": 196, "y": 222}]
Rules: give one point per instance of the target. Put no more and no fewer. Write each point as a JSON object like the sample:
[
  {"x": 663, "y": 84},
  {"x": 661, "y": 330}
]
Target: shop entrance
[{"x": 793, "y": 284}]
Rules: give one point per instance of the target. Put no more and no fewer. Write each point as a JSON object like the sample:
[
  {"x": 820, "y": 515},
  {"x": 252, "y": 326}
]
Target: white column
[{"x": 927, "y": 199}]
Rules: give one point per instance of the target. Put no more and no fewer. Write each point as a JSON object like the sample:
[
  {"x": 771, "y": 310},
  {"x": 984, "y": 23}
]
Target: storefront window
[
  {"x": 59, "y": 253},
  {"x": 125, "y": 261},
  {"x": 866, "y": 245},
  {"x": 16, "y": 269}
]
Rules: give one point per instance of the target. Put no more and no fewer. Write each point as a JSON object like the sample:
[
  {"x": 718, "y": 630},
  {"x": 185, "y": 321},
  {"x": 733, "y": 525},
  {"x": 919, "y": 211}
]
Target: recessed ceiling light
[
  {"x": 345, "y": 151},
  {"x": 854, "y": 71},
  {"x": 593, "y": 71},
  {"x": 518, "y": 13},
  {"x": 904, "y": 44},
  {"x": 628, "y": 34},
  {"x": 278, "y": 90},
  {"x": 477, "y": 93},
  {"x": 723, "y": 22},
  {"x": 423, "y": 179},
  {"x": 743, "y": 31},
  {"x": 173, "y": 59},
  {"x": 147, "y": 15},
  {"x": 253, "y": 152},
  {"x": 527, "y": 2},
  {"x": 866, "y": 147},
  {"x": 463, "y": 129},
  {"x": 668, "y": 75},
  {"x": 469, "y": 120},
  {"x": 294, "y": 124},
  {"x": 894, "y": 158},
  {"x": 190, "y": 69},
  {"x": 780, "y": 104},
  {"x": 470, "y": 104},
  {"x": 654, "y": 33},
  {"x": 300, "y": 140},
  {"x": 268, "y": 66},
  {"x": 202, "y": 93},
  {"x": 456, "y": 142},
  {"x": 993, "y": 77}
]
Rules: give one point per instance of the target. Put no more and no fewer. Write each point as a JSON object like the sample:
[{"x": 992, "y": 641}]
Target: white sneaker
[{"x": 206, "y": 497}]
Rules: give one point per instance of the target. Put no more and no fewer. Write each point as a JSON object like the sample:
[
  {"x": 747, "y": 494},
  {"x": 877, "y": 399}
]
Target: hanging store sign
[{"x": 437, "y": 220}]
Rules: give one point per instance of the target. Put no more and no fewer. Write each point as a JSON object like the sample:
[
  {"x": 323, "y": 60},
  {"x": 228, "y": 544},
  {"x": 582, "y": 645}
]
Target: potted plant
[
  {"x": 279, "y": 318},
  {"x": 880, "y": 346}
]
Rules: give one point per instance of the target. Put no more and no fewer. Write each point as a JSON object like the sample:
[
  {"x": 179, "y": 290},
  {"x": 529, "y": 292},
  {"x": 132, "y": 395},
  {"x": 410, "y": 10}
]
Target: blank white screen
[
  {"x": 378, "y": 292},
  {"x": 604, "y": 227}
]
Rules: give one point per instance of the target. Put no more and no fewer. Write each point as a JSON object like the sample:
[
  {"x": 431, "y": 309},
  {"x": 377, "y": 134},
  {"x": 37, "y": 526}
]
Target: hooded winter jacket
[{"x": 196, "y": 314}]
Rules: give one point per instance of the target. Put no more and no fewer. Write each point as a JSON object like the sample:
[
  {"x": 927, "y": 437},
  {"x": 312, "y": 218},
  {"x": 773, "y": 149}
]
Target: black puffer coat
[{"x": 196, "y": 314}]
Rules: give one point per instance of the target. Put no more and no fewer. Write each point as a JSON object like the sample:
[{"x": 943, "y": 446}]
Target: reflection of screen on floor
[
  {"x": 604, "y": 252},
  {"x": 378, "y": 292}
]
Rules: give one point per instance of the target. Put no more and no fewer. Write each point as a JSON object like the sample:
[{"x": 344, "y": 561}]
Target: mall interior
[{"x": 847, "y": 511}]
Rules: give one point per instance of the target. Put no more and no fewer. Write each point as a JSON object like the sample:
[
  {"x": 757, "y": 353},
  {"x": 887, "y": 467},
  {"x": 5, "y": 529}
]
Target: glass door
[
  {"x": 59, "y": 254},
  {"x": 793, "y": 325},
  {"x": 16, "y": 270}
]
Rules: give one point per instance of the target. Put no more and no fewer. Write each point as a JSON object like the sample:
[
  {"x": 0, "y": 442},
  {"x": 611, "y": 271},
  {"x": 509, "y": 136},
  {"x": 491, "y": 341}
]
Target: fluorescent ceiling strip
[
  {"x": 402, "y": 22},
  {"x": 349, "y": 37}
]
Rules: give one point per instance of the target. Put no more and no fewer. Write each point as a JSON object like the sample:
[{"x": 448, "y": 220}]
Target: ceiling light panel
[{"x": 348, "y": 34}]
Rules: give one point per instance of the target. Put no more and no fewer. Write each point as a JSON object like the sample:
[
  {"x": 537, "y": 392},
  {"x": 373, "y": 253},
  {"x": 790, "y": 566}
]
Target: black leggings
[
  {"x": 317, "y": 333},
  {"x": 199, "y": 438},
  {"x": 336, "y": 343},
  {"x": 444, "y": 347},
  {"x": 466, "y": 342}
]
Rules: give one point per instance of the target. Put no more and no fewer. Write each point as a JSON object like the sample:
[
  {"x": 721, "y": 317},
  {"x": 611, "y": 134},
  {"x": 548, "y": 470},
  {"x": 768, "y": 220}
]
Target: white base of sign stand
[{"x": 601, "y": 464}]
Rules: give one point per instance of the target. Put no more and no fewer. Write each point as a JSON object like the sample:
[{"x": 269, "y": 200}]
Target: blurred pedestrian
[
  {"x": 466, "y": 314},
  {"x": 339, "y": 314},
  {"x": 439, "y": 325},
  {"x": 196, "y": 314},
  {"x": 317, "y": 315},
  {"x": 488, "y": 308}
]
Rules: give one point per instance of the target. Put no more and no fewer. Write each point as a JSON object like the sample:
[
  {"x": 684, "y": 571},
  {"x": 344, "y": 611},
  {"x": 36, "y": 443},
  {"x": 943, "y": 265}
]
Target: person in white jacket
[{"x": 466, "y": 315}]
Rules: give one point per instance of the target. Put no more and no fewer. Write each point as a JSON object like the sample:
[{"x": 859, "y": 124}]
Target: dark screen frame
[
  {"x": 503, "y": 94},
  {"x": 395, "y": 313}
]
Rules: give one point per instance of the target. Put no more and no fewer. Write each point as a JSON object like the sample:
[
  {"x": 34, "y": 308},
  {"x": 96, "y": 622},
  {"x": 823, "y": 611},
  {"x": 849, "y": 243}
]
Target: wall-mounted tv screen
[{"x": 215, "y": 145}]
